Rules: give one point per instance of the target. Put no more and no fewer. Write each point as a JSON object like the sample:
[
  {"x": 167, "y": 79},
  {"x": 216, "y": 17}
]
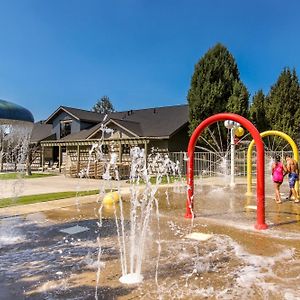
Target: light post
[{"x": 232, "y": 126}]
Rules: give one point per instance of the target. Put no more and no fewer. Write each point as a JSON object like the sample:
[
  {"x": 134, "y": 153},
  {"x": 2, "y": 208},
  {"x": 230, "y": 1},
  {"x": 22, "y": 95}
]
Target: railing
[{"x": 218, "y": 164}]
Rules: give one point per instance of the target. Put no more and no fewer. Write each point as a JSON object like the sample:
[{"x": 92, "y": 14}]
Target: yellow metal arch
[{"x": 249, "y": 156}]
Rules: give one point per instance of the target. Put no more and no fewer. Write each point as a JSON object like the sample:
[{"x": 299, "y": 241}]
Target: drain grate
[{"x": 74, "y": 229}]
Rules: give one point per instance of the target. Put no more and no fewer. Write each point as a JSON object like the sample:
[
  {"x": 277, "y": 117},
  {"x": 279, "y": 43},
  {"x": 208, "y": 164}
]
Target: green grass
[
  {"x": 29, "y": 199},
  {"x": 7, "y": 176}
]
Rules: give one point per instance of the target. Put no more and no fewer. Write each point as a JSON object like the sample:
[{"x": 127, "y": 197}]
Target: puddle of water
[{"x": 9, "y": 233}]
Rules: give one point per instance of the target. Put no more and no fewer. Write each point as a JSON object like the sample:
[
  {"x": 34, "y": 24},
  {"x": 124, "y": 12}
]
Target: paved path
[
  {"x": 52, "y": 184},
  {"x": 60, "y": 183}
]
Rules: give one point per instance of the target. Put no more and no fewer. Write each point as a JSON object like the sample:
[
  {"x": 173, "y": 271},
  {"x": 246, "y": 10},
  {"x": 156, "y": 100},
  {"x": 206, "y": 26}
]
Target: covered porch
[{"x": 74, "y": 157}]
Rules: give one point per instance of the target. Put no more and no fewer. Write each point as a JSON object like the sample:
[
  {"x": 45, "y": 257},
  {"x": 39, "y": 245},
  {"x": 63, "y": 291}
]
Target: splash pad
[{"x": 234, "y": 262}]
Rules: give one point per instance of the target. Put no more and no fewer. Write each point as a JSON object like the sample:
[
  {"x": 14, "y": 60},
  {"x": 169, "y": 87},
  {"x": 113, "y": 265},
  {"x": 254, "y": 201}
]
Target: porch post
[
  {"x": 78, "y": 159},
  {"x": 43, "y": 157},
  {"x": 146, "y": 151},
  {"x": 59, "y": 158},
  {"x": 120, "y": 152}
]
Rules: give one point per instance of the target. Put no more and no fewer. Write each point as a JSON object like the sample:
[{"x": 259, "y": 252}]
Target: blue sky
[{"x": 139, "y": 53}]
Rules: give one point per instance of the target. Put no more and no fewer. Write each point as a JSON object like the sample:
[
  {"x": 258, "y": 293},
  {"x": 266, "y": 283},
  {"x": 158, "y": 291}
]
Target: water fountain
[
  {"x": 232, "y": 126},
  {"x": 143, "y": 200}
]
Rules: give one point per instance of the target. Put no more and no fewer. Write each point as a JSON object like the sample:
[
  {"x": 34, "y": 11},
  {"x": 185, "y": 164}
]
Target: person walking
[
  {"x": 278, "y": 172},
  {"x": 293, "y": 171}
]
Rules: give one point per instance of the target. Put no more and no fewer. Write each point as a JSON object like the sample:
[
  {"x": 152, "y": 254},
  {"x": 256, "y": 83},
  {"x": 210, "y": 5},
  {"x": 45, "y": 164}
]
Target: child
[{"x": 278, "y": 172}]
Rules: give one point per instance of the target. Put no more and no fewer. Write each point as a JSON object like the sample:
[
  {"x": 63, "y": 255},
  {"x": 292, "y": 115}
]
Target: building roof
[
  {"x": 13, "y": 112},
  {"x": 41, "y": 131},
  {"x": 158, "y": 122},
  {"x": 79, "y": 114},
  {"x": 132, "y": 127}
]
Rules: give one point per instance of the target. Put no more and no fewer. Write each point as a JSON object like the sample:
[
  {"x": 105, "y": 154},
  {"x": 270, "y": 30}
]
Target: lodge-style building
[{"x": 66, "y": 137}]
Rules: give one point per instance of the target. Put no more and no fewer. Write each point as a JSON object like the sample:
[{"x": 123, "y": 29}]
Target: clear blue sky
[{"x": 140, "y": 53}]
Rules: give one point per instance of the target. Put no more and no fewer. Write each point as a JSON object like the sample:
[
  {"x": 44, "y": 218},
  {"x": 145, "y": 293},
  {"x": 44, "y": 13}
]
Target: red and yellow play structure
[
  {"x": 260, "y": 183},
  {"x": 260, "y": 162}
]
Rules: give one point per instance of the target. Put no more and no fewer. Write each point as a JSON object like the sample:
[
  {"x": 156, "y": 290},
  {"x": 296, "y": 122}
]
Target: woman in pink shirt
[{"x": 278, "y": 172}]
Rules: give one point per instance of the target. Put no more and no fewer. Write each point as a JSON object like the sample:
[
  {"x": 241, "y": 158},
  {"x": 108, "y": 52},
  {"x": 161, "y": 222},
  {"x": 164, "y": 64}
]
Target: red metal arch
[{"x": 260, "y": 188}]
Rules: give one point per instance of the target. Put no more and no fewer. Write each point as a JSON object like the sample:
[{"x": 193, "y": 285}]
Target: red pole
[
  {"x": 190, "y": 170},
  {"x": 260, "y": 218}
]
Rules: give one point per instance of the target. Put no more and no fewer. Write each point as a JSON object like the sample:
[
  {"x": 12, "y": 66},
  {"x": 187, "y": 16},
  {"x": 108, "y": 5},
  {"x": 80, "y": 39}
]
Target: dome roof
[{"x": 12, "y": 111}]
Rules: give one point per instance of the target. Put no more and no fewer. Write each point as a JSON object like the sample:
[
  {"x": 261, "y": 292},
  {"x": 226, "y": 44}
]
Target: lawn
[
  {"x": 29, "y": 199},
  {"x": 16, "y": 175}
]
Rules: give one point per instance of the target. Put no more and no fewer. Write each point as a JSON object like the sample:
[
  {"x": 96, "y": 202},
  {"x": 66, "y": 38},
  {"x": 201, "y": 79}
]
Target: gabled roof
[
  {"x": 161, "y": 122},
  {"x": 156, "y": 122},
  {"x": 41, "y": 131},
  {"x": 78, "y": 114},
  {"x": 132, "y": 127}
]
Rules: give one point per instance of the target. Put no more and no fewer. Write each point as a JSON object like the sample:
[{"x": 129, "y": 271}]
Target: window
[
  {"x": 105, "y": 149},
  {"x": 65, "y": 128},
  {"x": 125, "y": 149}
]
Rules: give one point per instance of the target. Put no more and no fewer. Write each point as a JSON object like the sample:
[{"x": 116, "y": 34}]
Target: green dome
[{"x": 12, "y": 111}]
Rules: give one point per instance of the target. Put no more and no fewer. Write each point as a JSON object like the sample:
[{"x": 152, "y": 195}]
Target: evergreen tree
[
  {"x": 216, "y": 87},
  {"x": 238, "y": 101},
  {"x": 283, "y": 104},
  {"x": 211, "y": 85},
  {"x": 257, "y": 112},
  {"x": 103, "y": 106}
]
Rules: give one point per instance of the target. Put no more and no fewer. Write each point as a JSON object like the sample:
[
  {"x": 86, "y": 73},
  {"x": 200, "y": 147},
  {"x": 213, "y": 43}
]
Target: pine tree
[
  {"x": 257, "y": 112},
  {"x": 238, "y": 101},
  {"x": 103, "y": 106},
  {"x": 283, "y": 104},
  {"x": 216, "y": 87},
  {"x": 212, "y": 84}
]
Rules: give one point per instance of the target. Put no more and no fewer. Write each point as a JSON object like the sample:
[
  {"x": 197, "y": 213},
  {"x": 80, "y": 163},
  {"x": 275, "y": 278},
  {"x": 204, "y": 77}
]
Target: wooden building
[{"x": 67, "y": 136}]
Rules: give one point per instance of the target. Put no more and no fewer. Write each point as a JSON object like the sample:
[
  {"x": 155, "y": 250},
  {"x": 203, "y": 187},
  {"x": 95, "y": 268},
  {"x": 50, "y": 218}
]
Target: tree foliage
[
  {"x": 239, "y": 99},
  {"x": 212, "y": 84},
  {"x": 283, "y": 110},
  {"x": 216, "y": 87},
  {"x": 103, "y": 106},
  {"x": 257, "y": 112}
]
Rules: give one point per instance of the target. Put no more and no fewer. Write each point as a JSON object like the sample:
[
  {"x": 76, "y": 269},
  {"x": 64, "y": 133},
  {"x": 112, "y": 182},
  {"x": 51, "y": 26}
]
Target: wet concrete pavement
[{"x": 38, "y": 261}]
